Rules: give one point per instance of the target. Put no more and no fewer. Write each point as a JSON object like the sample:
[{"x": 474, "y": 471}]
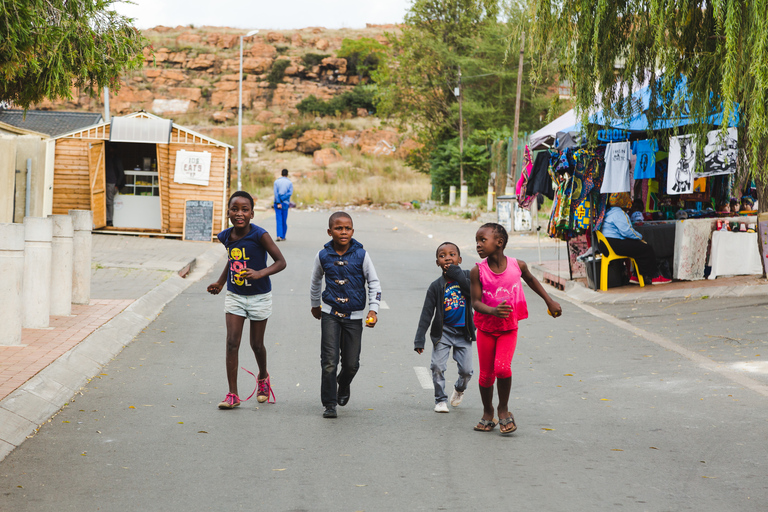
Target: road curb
[
  {"x": 578, "y": 292},
  {"x": 31, "y": 405}
]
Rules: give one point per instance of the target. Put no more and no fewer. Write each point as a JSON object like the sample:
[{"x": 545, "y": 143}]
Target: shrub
[
  {"x": 277, "y": 72},
  {"x": 313, "y": 59},
  {"x": 363, "y": 55},
  {"x": 295, "y": 130},
  {"x": 444, "y": 167},
  {"x": 361, "y": 96}
]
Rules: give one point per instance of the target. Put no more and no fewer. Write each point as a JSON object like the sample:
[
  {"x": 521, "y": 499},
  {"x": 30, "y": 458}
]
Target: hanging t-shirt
[
  {"x": 645, "y": 150},
  {"x": 616, "y": 178},
  {"x": 682, "y": 162},
  {"x": 454, "y": 304}
]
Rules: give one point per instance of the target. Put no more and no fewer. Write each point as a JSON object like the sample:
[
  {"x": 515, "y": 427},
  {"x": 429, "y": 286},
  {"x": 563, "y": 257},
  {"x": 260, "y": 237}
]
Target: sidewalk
[
  {"x": 579, "y": 290},
  {"x": 132, "y": 279}
]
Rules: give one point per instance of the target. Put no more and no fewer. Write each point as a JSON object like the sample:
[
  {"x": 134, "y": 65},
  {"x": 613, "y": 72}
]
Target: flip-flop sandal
[
  {"x": 507, "y": 421},
  {"x": 487, "y": 425}
]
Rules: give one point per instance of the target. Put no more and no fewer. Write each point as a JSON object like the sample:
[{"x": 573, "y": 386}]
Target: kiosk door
[{"x": 98, "y": 185}]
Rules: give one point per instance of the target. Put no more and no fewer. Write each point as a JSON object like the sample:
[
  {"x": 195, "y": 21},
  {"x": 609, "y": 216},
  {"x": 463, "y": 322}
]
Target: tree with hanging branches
[
  {"x": 49, "y": 46},
  {"x": 716, "y": 49}
]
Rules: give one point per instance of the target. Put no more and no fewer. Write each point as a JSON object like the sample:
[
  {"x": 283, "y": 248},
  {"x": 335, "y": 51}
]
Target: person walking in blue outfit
[{"x": 283, "y": 192}]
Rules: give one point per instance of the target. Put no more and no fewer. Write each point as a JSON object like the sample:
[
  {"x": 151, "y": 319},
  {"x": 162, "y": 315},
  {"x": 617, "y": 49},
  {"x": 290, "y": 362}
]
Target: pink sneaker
[
  {"x": 265, "y": 390},
  {"x": 660, "y": 280},
  {"x": 230, "y": 402}
]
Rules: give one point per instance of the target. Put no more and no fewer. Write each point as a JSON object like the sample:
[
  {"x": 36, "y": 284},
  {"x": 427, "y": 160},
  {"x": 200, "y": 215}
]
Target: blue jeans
[
  {"x": 339, "y": 337},
  {"x": 281, "y": 219},
  {"x": 462, "y": 354}
]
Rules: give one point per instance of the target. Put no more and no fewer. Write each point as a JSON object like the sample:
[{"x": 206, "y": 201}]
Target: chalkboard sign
[{"x": 198, "y": 220}]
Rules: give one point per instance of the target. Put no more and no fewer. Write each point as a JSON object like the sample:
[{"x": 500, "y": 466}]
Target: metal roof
[
  {"x": 50, "y": 122},
  {"x": 140, "y": 129}
]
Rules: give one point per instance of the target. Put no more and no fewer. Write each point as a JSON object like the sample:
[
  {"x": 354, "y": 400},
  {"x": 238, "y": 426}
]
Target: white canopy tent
[{"x": 546, "y": 135}]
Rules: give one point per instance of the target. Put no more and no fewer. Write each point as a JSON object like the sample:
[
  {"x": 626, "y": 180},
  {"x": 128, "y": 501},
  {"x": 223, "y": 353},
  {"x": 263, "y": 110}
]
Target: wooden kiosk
[{"x": 165, "y": 166}]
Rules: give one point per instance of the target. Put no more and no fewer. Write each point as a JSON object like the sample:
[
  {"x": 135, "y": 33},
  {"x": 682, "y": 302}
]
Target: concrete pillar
[
  {"x": 489, "y": 199},
  {"x": 452, "y": 195},
  {"x": 61, "y": 265},
  {"x": 82, "y": 222},
  {"x": 36, "y": 292},
  {"x": 11, "y": 279},
  {"x": 7, "y": 177},
  {"x": 32, "y": 148},
  {"x": 464, "y": 196}
]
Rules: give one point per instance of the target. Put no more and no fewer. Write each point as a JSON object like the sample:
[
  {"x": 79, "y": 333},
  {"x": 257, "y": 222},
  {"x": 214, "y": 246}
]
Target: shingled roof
[{"x": 49, "y": 121}]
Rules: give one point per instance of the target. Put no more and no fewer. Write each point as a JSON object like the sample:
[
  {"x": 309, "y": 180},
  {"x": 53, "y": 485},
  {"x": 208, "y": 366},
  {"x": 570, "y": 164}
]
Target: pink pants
[{"x": 494, "y": 353}]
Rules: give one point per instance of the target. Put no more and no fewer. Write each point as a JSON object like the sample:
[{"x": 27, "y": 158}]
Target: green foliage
[
  {"x": 49, "y": 46},
  {"x": 295, "y": 130},
  {"x": 417, "y": 81},
  {"x": 277, "y": 72},
  {"x": 363, "y": 55},
  {"x": 361, "y": 96},
  {"x": 313, "y": 59},
  {"x": 444, "y": 167},
  {"x": 720, "y": 48}
]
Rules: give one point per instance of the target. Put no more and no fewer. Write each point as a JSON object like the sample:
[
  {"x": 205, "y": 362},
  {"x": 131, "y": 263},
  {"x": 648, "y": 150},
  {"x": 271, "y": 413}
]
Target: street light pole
[
  {"x": 462, "y": 186},
  {"x": 240, "y": 115}
]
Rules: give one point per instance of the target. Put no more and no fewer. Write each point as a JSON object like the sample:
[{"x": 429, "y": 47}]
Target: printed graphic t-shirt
[
  {"x": 616, "y": 178},
  {"x": 645, "y": 167},
  {"x": 246, "y": 253},
  {"x": 454, "y": 304}
]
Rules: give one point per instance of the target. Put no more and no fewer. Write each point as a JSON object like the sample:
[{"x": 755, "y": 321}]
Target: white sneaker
[
  {"x": 457, "y": 397},
  {"x": 441, "y": 407}
]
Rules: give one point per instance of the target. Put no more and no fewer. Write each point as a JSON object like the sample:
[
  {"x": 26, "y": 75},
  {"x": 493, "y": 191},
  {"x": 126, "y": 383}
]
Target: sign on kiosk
[{"x": 193, "y": 167}]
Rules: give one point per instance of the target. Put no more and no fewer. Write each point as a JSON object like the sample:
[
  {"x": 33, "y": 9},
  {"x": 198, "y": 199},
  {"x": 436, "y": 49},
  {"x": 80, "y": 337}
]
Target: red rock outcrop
[{"x": 325, "y": 157}]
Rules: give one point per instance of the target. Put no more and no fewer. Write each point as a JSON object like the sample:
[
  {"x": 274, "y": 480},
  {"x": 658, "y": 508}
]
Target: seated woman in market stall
[{"x": 625, "y": 241}]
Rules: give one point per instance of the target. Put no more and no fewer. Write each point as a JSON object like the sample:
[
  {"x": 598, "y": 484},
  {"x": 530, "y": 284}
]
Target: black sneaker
[{"x": 330, "y": 412}]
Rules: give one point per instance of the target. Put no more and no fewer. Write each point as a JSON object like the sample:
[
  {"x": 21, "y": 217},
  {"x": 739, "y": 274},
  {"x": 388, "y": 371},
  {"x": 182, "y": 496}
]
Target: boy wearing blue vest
[
  {"x": 447, "y": 308},
  {"x": 347, "y": 268}
]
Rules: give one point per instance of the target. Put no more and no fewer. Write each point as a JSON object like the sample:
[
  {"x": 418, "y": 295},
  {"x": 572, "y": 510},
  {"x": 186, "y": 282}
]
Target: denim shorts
[{"x": 253, "y": 307}]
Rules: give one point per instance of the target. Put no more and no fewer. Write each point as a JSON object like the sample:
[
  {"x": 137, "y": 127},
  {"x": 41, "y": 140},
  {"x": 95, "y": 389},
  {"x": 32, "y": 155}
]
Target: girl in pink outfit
[{"x": 499, "y": 303}]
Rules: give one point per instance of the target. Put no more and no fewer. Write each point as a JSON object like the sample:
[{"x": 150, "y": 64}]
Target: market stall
[
  {"x": 676, "y": 202},
  {"x": 165, "y": 165}
]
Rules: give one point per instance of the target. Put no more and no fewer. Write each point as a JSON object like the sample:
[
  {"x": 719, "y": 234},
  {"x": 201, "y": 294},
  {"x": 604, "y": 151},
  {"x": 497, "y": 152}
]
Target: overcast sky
[{"x": 265, "y": 14}]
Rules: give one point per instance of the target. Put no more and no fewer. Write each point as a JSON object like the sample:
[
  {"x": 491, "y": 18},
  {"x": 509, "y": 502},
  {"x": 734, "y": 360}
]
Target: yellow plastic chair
[{"x": 606, "y": 260}]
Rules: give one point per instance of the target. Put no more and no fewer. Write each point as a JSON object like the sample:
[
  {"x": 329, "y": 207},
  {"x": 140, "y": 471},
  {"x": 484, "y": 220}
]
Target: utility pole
[{"x": 513, "y": 170}]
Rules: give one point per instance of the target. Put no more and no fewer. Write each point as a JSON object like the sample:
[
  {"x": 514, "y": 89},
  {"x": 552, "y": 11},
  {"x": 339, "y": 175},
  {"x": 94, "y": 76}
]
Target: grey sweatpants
[{"x": 462, "y": 354}]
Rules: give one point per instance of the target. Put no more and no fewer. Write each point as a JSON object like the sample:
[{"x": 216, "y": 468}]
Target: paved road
[{"x": 609, "y": 418}]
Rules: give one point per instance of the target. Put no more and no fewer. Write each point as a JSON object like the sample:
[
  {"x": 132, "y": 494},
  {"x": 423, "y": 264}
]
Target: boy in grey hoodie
[{"x": 447, "y": 307}]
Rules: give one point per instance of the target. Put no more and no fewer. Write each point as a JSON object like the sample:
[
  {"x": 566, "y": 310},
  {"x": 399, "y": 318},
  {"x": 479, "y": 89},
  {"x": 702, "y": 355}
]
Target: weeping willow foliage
[
  {"x": 612, "y": 47},
  {"x": 49, "y": 46}
]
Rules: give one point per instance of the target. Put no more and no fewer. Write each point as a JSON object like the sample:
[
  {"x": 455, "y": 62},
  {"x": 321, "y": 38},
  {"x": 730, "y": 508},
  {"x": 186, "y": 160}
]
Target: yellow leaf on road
[{"x": 281, "y": 469}]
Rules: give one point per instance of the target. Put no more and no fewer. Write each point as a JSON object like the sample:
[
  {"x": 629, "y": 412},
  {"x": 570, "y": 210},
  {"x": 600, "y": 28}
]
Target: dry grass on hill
[{"x": 358, "y": 179}]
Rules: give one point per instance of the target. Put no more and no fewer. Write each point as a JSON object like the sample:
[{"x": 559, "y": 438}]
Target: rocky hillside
[{"x": 191, "y": 76}]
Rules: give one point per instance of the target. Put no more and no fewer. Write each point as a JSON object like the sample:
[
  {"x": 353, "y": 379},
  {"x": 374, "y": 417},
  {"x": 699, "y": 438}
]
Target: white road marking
[
  {"x": 424, "y": 376},
  {"x": 383, "y": 305}
]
